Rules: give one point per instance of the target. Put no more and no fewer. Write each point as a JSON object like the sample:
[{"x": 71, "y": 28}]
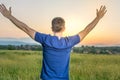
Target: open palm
[
  {"x": 4, "y": 11},
  {"x": 101, "y": 12}
]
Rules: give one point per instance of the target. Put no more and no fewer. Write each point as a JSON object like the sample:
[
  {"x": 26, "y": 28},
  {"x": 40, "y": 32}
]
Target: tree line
[
  {"x": 97, "y": 50},
  {"x": 21, "y": 47},
  {"x": 83, "y": 49}
]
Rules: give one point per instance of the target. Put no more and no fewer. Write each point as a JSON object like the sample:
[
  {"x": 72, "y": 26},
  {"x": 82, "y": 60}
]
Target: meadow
[{"x": 26, "y": 65}]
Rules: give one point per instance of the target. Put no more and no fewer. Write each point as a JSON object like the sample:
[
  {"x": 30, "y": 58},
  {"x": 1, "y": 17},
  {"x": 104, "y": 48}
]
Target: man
[{"x": 56, "y": 49}]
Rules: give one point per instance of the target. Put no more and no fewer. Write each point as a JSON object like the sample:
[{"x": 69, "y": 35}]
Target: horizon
[
  {"x": 77, "y": 14},
  {"x": 30, "y": 41}
]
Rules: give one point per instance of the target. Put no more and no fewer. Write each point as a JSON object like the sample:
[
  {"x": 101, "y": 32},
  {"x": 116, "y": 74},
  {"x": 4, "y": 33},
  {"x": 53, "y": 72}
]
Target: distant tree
[
  {"x": 92, "y": 49},
  {"x": 11, "y": 47}
]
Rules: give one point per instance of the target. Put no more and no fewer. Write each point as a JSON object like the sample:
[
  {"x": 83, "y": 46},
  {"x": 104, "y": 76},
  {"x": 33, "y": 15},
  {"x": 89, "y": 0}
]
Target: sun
[{"x": 73, "y": 26}]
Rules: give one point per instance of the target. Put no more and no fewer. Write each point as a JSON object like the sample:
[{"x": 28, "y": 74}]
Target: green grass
[{"x": 26, "y": 65}]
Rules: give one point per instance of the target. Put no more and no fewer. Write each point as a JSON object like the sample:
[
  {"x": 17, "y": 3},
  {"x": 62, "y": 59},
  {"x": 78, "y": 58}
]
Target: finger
[
  {"x": 10, "y": 9},
  {"x": 97, "y": 10},
  {"x": 105, "y": 11},
  {"x": 0, "y": 9},
  {"x": 101, "y": 8},
  {"x": 3, "y": 6},
  {"x": 104, "y": 6},
  {"x": 0, "y": 6}
]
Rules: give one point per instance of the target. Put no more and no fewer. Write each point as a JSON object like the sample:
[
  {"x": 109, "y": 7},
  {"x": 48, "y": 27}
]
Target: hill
[{"x": 17, "y": 41}]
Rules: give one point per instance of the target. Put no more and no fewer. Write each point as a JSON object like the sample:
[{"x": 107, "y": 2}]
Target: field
[{"x": 26, "y": 65}]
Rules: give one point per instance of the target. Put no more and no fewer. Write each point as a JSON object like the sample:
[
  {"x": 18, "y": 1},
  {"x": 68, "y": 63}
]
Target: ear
[{"x": 63, "y": 29}]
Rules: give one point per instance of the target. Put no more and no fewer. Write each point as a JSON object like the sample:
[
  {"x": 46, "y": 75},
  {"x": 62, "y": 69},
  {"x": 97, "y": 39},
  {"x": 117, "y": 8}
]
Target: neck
[{"x": 58, "y": 34}]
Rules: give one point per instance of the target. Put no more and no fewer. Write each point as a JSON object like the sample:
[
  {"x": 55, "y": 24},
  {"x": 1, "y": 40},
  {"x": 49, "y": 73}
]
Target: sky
[{"x": 38, "y": 14}]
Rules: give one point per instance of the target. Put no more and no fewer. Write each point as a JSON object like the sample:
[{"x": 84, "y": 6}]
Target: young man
[{"x": 56, "y": 49}]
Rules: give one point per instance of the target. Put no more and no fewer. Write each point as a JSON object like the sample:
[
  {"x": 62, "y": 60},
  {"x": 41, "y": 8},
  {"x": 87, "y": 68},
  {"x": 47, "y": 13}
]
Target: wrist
[
  {"x": 9, "y": 17},
  {"x": 97, "y": 18}
]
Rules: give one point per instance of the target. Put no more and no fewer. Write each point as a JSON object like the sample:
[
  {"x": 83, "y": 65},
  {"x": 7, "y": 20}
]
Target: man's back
[{"x": 56, "y": 55}]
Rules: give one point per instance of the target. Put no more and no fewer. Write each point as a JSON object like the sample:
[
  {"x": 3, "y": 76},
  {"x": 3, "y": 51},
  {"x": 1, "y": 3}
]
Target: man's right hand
[{"x": 6, "y": 13}]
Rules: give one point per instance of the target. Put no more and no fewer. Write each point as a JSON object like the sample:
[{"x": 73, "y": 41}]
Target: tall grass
[
  {"x": 26, "y": 65},
  {"x": 95, "y": 67},
  {"x": 20, "y": 65}
]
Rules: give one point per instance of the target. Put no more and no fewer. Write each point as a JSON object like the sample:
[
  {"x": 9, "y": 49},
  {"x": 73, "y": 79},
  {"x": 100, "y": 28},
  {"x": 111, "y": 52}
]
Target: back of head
[{"x": 58, "y": 24}]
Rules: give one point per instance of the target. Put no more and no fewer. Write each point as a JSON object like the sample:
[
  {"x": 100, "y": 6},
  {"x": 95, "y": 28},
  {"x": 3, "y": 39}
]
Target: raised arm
[
  {"x": 7, "y": 13},
  {"x": 100, "y": 13}
]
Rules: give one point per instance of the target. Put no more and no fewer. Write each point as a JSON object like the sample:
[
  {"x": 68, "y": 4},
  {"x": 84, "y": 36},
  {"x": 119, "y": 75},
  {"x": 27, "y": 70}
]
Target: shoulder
[
  {"x": 40, "y": 37},
  {"x": 39, "y": 34},
  {"x": 74, "y": 37}
]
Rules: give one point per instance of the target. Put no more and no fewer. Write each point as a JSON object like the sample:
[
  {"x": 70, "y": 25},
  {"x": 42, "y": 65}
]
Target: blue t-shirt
[{"x": 56, "y": 55}]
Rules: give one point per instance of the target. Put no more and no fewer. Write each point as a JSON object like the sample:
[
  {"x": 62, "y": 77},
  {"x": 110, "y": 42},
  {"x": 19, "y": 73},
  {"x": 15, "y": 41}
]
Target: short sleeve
[
  {"x": 40, "y": 37},
  {"x": 73, "y": 40}
]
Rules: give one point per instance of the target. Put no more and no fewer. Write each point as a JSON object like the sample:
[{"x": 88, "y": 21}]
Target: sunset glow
[
  {"x": 77, "y": 14},
  {"x": 73, "y": 26}
]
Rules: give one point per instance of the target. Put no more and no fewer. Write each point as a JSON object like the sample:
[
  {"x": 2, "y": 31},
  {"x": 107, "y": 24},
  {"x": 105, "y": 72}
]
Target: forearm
[
  {"x": 91, "y": 25},
  {"x": 87, "y": 29},
  {"x": 7, "y": 13},
  {"x": 19, "y": 24}
]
